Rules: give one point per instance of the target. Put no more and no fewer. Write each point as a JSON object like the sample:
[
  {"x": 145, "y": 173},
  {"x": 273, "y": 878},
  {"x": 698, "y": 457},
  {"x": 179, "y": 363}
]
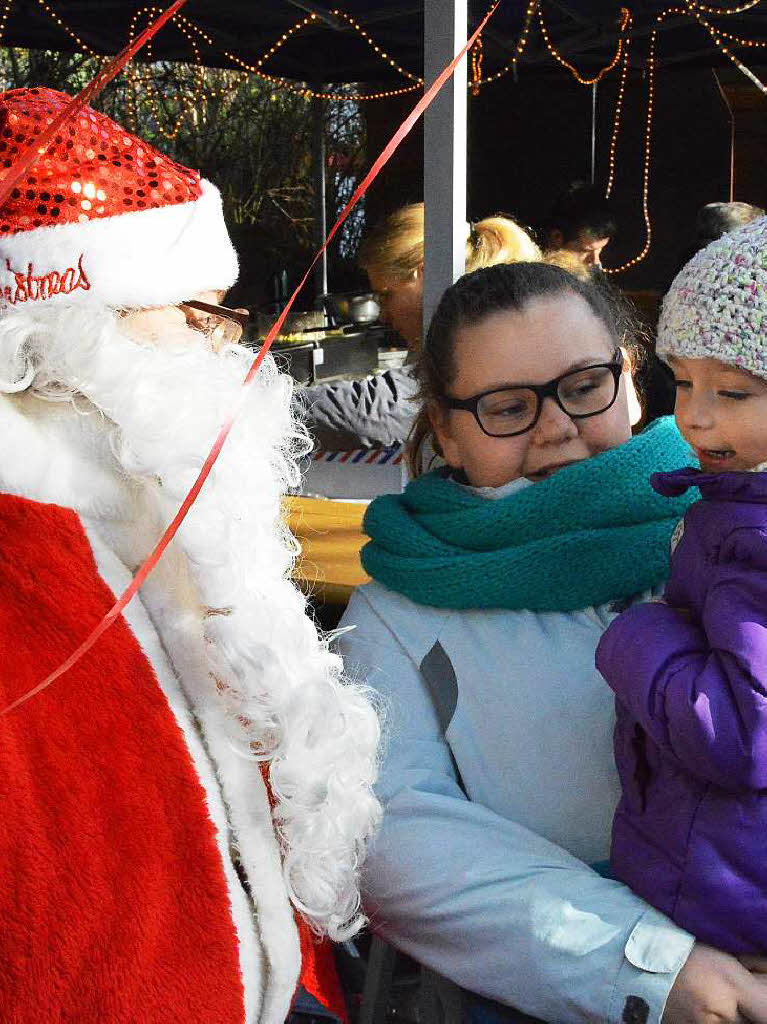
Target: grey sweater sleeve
[{"x": 368, "y": 413}]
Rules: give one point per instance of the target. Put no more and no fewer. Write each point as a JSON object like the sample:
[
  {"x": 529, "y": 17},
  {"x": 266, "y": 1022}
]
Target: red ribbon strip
[
  {"x": 23, "y": 163},
  {"x": 215, "y": 451}
]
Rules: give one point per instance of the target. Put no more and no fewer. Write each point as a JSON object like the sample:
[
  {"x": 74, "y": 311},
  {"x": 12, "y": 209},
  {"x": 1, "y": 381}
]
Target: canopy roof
[{"x": 331, "y": 49}]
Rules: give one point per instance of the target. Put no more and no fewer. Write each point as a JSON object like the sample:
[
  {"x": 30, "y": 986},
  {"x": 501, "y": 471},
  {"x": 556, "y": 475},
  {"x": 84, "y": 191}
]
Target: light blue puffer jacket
[{"x": 499, "y": 788}]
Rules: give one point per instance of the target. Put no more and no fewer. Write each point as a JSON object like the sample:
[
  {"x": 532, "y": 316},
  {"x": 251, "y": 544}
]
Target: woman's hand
[
  {"x": 755, "y": 964},
  {"x": 715, "y": 988}
]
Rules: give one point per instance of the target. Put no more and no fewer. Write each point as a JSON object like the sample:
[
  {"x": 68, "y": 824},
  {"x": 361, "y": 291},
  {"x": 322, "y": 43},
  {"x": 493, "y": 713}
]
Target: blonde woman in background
[
  {"x": 569, "y": 261},
  {"x": 378, "y": 411},
  {"x": 393, "y": 256}
]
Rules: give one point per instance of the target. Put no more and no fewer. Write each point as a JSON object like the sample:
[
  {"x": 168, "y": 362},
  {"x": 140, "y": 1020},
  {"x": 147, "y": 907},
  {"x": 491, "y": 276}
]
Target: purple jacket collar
[{"x": 740, "y": 486}]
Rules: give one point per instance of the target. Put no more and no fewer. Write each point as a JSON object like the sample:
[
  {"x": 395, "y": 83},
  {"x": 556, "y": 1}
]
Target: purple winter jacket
[{"x": 690, "y": 832}]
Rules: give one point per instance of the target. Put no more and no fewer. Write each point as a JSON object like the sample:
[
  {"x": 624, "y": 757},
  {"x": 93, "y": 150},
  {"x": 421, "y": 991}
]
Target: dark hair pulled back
[{"x": 507, "y": 287}]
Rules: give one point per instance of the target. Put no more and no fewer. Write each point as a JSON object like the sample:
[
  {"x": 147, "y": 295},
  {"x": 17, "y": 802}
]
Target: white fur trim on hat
[
  {"x": 153, "y": 257},
  {"x": 716, "y": 307}
]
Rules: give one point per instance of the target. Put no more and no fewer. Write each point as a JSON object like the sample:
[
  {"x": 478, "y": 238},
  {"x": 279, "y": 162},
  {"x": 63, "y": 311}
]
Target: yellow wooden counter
[{"x": 330, "y": 534}]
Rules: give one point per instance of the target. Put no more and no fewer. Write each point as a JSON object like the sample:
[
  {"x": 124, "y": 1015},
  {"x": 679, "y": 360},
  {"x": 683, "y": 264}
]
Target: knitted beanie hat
[
  {"x": 102, "y": 215},
  {"x": 717, "y": 305}
]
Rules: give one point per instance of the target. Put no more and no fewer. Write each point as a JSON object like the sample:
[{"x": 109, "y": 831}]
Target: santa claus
[{"x": 205, "y": 771}]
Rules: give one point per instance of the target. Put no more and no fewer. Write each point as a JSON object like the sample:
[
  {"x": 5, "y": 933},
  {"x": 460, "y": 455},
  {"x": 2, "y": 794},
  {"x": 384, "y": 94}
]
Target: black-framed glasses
[
  {"x": 224, "y": 325},
  {"x": 504, "y": 412}
]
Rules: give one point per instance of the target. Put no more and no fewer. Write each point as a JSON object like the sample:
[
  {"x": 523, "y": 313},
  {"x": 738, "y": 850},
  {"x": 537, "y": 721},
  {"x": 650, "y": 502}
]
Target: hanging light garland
[
  {"x": 651, "y": 70},
  {"x": 624, "y": 20},
  {"x": 4, "y": 17},
  {"x": 741, "y": 9},
  {"x": 694, "y": 9},
  {"x": 343, "y": 16},
  {"x": 615, "y": 133},
  {"x": 622, "y": 56},
  {"x": 477, "y": 56},
  {"x": 739, "y": 41},
  {"x": 231, "y": 81},
  {"x": 190, "y": 29},
  {"x": 532, "y": 6},
  {"x": 140, "y": 81},
  {"x": 305, "y": 91},
  {"x": 82, "y": 45},
  {"x": 283, "y": 83}
]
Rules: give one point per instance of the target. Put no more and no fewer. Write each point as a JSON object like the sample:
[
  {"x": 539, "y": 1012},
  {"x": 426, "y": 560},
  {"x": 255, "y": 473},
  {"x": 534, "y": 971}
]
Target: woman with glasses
[{"x": 493, "y": 581}]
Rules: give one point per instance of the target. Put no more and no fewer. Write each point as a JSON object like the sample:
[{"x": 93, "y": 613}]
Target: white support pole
[
  {"x": 319, "y": 174},
  {"x": 444, "y": 163}
]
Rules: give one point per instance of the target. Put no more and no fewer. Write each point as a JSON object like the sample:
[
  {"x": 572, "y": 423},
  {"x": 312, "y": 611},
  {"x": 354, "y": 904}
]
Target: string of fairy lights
[
  {"x": 625, "y": 17},
  {"x": 738, "y": 41},
  {"x": 142, "y": 85},
  {"x": 143, "y": 88},
  {"x": 646, "y": 157},
  {"x": 306, "y": 91},
  {"x": 477, "y": 56},
  {"x": 741, "y": 9},
  {"x": 695, "y": 10},
  {"x": 615, "y": 132},
  {"x": 478, "y": 81}
]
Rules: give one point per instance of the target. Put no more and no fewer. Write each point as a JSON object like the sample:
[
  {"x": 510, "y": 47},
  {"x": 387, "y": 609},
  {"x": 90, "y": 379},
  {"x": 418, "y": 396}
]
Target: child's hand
[
  {"x": 755, "y": 964},
  {"x": 713, "y": 988}
]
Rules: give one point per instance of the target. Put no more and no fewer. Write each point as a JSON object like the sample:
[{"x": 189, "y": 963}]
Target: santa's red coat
[{"x": 119, "y": 898}]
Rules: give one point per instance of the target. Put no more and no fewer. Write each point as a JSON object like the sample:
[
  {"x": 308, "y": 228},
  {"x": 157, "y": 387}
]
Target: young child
[{"x": 690, "y": 672}]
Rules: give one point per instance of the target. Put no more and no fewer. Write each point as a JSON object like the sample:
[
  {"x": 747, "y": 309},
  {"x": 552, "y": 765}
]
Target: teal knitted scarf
[{"x": 593, "y": 532}]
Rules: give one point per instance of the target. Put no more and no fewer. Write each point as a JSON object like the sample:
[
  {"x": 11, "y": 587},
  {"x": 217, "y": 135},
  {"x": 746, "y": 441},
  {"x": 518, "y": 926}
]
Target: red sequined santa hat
[{"x": 103, "y": 215}]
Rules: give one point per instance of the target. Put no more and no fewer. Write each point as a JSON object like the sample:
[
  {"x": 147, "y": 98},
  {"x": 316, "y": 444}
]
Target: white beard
[{"x": 150, "y": 414}]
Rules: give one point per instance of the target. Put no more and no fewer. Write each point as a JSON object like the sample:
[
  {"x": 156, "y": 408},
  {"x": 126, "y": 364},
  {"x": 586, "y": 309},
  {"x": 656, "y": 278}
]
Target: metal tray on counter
[{"x": 351, "y": 354}]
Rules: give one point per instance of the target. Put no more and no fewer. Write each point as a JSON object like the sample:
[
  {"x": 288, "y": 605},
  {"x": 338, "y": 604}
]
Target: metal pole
[
  {"x": 593, "y": 132},
  {"x": 319, "y": 163},
  {"x": 444, "y": 164}
]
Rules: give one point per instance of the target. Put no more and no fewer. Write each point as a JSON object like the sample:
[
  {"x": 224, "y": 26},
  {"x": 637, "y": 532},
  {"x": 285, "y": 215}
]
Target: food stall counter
[{"x": 330, "y": 534}]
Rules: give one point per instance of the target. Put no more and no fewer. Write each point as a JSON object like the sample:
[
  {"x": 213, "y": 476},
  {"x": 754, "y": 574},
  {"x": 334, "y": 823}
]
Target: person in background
[
  {"x": 582, "y": 222},
  {"x": 379, "y": 410},
  {"x": 654, "y": 383},
  {"x": 717, "y": 219},
  {"x": 393, "y": 254},
  {"x": 690, "y": 672},
  {"x": 494, "y": 580},
  {"x": 652, "y": 376},
  {"x": 569, "y": 261}
]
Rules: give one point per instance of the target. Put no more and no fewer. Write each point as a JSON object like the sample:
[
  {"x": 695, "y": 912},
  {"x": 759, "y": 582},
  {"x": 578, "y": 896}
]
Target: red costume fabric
[{"x": 113, "y": 901}]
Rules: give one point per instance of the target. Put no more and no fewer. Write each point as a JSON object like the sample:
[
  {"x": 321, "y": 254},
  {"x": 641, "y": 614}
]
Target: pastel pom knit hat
[
  {"x": 103, "y": 216},
  {"x": 717, "y": 305}
]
